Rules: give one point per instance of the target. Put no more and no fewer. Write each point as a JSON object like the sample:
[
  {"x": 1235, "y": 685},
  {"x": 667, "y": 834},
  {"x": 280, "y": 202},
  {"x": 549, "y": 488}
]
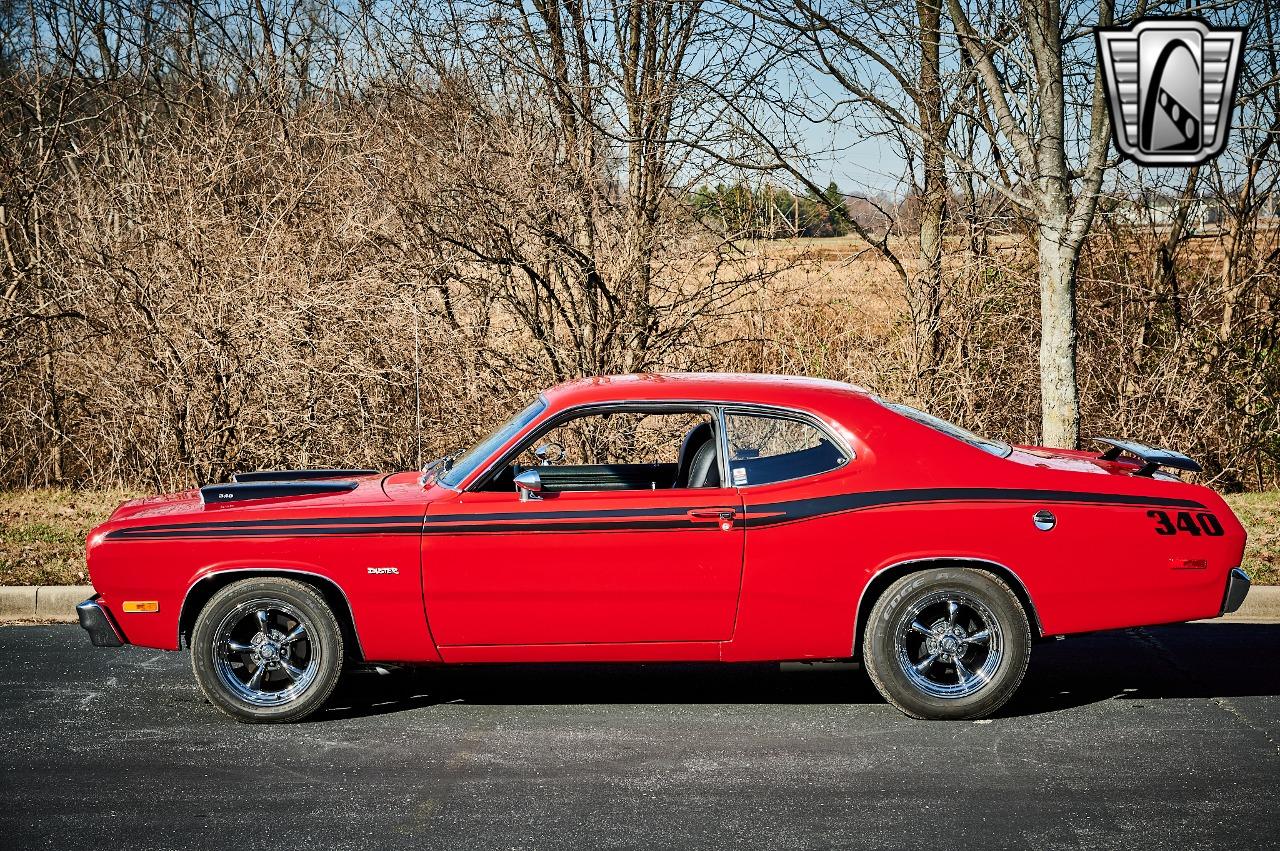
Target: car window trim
[
  {"x": 673, "y": 406},
  {"x": 717, "y": 408},
  {"x": 460, "y": 486},
  {"x": 785, "y": 414}
]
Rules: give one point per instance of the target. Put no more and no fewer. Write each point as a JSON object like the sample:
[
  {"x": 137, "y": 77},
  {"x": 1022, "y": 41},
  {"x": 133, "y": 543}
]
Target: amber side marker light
[{"x": 142, "y": 605}]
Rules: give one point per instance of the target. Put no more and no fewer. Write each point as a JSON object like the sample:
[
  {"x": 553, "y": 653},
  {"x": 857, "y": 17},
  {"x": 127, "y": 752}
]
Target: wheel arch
[
  {"x": 203, "y": 589},
  {"x": 886, "y": 576}
]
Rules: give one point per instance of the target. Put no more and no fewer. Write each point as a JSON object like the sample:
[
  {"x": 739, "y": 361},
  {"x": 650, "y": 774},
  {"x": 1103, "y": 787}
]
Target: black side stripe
[
  {"x": 305, "y": 526},
  {"x": 804, "y": 509},
  {"x": 276, "y": 532},
  {"x": 534, "y": 514},
  {"x": 639, "y": 524},
  {"x": 305, "y": 521},
  {"x": 624, "y": 519}
]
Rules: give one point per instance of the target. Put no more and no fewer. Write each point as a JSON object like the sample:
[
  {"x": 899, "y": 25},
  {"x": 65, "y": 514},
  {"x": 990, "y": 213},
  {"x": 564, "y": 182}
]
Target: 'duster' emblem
[{"x": 1170, "y": 84}]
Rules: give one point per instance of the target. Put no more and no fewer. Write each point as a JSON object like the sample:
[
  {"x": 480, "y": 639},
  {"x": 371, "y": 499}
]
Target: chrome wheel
[
  {"x": 948, "y": 644},
  {"x": 263, "y": 652}
]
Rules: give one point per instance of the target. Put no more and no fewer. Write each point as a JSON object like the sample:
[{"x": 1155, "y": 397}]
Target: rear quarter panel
[{"x": 1102, "y": 566}]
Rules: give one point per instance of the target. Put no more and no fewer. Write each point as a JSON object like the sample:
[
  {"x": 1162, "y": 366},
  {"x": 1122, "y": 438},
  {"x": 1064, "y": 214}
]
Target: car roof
[{"x": 742, "y": 387}]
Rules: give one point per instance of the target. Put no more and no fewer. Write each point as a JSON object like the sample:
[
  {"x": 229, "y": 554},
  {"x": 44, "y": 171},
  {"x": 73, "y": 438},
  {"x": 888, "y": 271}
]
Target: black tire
[
  {"x": 957, "y": 673},
  {"x": 287, "y": 665}
]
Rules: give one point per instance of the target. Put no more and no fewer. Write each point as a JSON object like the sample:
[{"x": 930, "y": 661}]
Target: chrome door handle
[{"x": 723, "y": 516}]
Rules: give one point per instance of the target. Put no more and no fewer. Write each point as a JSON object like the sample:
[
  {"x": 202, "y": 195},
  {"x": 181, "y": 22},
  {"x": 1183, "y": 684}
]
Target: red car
[{"x": 727, "y": 518}]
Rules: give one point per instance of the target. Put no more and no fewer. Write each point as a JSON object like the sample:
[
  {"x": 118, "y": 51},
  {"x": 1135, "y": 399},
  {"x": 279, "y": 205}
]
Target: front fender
[
  {"x": 385, "y": 628},
  {"x": 209, "y": 579}
]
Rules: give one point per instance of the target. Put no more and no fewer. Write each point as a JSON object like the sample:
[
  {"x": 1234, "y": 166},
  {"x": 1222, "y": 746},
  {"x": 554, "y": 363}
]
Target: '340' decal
[{"x": 1199, "y": 524}]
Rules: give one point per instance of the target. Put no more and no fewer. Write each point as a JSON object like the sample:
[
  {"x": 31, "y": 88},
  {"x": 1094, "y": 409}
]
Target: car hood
[
  {"x": 187, "y": 502},
  {"x": 158, "y": 506}
]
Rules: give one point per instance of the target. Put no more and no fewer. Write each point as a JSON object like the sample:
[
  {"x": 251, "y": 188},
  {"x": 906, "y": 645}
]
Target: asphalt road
[{"x": 1161, "y": 737}]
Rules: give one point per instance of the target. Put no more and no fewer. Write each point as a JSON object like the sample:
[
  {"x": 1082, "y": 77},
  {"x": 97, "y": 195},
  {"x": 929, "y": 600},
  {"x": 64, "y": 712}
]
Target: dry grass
[
  {"x": 1260, "y": 514},
  {"x": 42, "y": 533}
]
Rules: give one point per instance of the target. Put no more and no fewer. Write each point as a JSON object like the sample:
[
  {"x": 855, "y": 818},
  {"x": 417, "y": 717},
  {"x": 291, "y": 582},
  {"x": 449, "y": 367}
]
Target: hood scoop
[
  {"x": 300, "y": 475},
  {"x": 239, "y": 491}
]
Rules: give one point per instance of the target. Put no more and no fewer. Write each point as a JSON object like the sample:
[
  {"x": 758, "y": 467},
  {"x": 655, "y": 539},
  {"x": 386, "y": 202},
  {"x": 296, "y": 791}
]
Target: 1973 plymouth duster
[{"x": 727, "y": 518}]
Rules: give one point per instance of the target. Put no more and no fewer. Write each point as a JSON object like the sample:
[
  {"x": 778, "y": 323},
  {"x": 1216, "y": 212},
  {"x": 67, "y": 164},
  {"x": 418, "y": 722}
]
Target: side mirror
[
  {"x": 529, "y": 484},
  {"x": 549, "y": 453}
]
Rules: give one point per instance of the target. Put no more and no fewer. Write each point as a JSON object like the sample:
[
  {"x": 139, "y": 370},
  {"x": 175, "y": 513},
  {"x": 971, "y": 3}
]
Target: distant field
[{"x": 42, "y": 533}]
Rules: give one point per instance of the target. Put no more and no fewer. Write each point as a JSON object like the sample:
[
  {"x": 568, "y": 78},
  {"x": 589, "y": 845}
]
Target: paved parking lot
[{"x": 1157, "y": 737}]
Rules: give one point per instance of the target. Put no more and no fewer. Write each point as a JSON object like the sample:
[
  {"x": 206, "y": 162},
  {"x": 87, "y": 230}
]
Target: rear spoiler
[
  {"x": 236, "y": 491},
  {"x": 1152, "y": 459},
  {"x": 299, "y": 475}
]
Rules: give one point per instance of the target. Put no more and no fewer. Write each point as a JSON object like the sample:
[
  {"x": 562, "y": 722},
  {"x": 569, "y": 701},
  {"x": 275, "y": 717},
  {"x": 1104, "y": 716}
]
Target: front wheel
[
  {"x": 267, "y": 650},
  {"x": 947, "y": 643}
]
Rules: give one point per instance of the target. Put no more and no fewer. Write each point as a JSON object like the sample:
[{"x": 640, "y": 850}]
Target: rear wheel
[
  {"x": 947, "y": 643},
  {"x": 267, "y": 650}
]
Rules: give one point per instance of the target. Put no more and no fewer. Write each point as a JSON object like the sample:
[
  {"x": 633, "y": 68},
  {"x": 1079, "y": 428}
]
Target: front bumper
[
  {"x": 1237, "y": 589},
  {"x": 98, "y": 622}
]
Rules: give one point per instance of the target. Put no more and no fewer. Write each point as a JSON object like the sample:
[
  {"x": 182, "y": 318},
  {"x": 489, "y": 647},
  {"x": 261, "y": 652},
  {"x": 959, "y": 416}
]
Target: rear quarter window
[{"x": 765, "y": 448}]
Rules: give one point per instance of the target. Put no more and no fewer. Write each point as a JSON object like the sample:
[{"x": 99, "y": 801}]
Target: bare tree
[
  {"x": 1033, "y": 60},
  {"x": 307, "y": 232},
  {"x": 590, "y": 118},
  {"x": 1246, "y": 179},
  {"x": 888, "y": 58}
]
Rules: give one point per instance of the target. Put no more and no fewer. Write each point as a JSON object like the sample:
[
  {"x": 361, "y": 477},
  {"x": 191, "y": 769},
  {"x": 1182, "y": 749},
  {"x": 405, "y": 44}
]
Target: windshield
[
  {"x": 995, "y": 447},
  {"x": 478, "y": 454}
]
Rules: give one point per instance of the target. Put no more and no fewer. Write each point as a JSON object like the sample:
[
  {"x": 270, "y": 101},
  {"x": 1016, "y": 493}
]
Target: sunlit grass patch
[
  {"x": 42, "y": 533},
  {"x": 1260, "y": 514}
]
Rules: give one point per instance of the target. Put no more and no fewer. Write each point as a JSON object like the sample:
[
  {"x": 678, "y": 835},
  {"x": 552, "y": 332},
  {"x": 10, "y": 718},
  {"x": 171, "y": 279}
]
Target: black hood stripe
[{"x": 627, "y": 519}]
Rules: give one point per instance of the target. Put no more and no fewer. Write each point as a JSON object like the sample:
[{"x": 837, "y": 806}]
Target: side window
[
  {"x": 624, "y": 438},
  {"x": 764, "y": 449},
  {"x": 621, "y": 450}
]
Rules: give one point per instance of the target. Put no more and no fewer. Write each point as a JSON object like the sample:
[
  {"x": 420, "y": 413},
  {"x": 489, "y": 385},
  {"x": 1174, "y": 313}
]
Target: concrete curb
[
  {"x": 47, "y": 602},
  {"x": 18, "y": 601},
  {"x": 58, "y": 602},
  {"x": 1261, "y": 606}
]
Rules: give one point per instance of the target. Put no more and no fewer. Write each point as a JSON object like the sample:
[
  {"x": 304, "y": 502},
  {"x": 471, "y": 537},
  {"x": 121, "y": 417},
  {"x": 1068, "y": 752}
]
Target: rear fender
[{"x": 886, "y": 575}]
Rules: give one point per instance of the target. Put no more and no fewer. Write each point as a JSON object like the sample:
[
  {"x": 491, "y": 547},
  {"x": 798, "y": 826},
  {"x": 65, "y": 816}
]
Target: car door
[
  {"x": 583, "y": 566},
  {"x": 792, "y": 474}
]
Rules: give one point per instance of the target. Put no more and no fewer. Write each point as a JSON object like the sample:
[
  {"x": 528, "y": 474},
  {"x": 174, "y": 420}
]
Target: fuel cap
[{"x": 1044, "y": 520}]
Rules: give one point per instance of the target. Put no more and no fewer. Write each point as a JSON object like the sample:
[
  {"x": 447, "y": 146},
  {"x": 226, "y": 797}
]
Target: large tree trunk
[
  {"x": 1059, "y": 242},
  {"x": 926, "y": 293},
  {"x": 1063, "y": 214},
  {"x": 926, "y": 290},
  {"x": 1059, "y": 398}
]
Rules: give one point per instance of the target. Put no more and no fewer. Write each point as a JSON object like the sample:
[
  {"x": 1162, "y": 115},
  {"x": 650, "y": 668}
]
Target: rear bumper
[
  {"x": 1237, "y": 590},
  {"x": 97, "y": 621}
]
